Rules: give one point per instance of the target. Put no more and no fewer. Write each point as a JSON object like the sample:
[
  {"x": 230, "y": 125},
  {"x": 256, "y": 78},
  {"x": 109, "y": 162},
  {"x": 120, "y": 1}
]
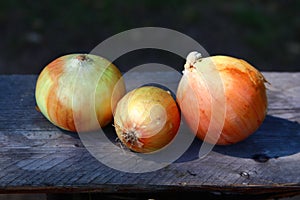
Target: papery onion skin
[
  {"x": 66, "y": 81},
  {"x": 245, "y": 99},
  {"x": 147, "y": 119}
]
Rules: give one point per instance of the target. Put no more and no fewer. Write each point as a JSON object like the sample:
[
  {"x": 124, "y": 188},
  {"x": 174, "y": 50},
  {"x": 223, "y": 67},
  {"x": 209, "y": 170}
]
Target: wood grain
[{"x": 36, "y": 156}]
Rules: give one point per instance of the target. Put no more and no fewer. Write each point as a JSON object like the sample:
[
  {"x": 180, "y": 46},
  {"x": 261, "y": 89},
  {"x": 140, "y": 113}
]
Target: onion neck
[
  {"x": 191, "y": 59},
  {"x": 81, "y": 58}
]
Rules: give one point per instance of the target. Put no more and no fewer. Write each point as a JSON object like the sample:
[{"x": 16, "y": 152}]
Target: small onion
[
  {"x": 65, "y": 87},
  {"x": 244, "y": 93},
  {"x": 147, "y": 119}
]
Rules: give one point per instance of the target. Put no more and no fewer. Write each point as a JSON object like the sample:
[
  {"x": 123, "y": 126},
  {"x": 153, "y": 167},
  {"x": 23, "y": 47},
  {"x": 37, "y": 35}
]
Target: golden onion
[
  {"x": 241, "y": 91},
  {"x": 147, "y": 119},
  {"x": 74, "y": 89}
]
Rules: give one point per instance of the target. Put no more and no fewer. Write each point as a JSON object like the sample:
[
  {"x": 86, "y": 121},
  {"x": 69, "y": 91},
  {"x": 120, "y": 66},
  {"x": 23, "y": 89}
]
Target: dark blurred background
[{"x": 33, "y": 33}]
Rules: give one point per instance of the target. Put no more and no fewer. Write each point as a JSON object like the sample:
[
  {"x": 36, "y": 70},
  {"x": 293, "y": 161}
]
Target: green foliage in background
[{"x": 264, "y": 32}]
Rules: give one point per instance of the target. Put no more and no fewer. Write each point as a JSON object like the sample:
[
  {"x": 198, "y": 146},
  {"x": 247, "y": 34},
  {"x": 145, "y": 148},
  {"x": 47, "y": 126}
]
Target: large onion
[
  {"x": 65, "y": 87},
  {"x": 147, "y": 119},
  {"x": 243, "y": 97}
]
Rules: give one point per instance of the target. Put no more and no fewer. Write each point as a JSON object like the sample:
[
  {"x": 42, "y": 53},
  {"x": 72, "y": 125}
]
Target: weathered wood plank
[{"x": 35, "y": 156}]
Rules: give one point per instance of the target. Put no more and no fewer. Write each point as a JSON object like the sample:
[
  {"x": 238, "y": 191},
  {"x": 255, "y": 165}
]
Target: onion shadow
[{"x": 276, "y": 137}]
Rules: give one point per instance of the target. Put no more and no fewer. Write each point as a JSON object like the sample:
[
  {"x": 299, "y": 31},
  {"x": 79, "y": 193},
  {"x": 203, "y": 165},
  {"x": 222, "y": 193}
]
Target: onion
[
  {"x": 146, "y": 119},
  {"x": 65, "y": 87},
  {"x": 242, "y": 88}
]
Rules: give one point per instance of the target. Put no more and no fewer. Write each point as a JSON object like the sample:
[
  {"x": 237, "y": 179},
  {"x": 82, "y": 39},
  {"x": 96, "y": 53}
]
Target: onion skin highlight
[
  {"x": 64, "y": 84},
  {"x": 245, "y": 98},
  {"x": 147, "y": 119}
]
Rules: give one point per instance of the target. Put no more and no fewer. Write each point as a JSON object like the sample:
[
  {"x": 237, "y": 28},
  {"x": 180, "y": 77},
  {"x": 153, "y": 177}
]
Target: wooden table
[{"x": 37, "y": 157}]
